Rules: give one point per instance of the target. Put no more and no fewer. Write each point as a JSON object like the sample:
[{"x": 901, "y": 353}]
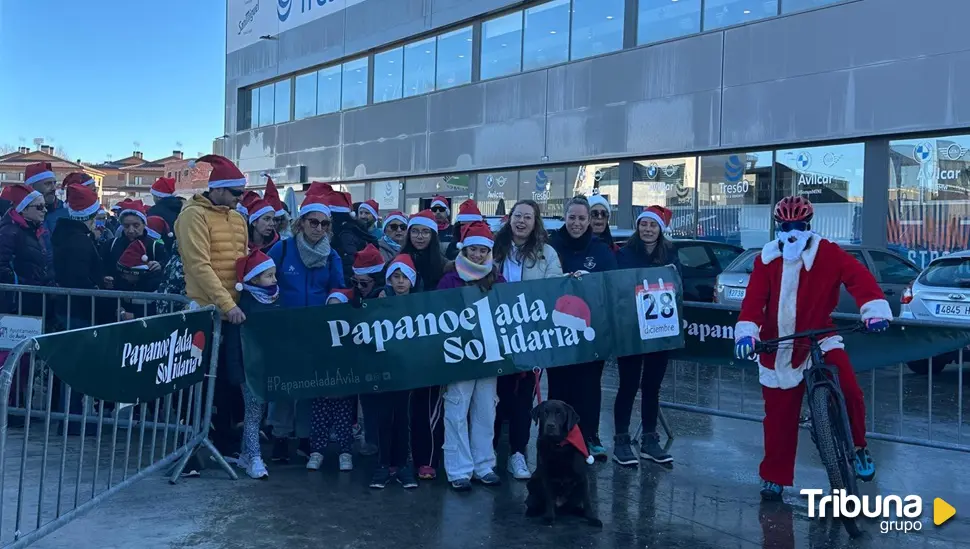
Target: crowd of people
[{"x": 242, "y": 253}]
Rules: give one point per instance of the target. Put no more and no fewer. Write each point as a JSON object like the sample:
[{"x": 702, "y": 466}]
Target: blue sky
[{"x": 99, "y": 75}]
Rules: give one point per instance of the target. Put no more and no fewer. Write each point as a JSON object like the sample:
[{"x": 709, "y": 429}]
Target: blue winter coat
[
  {"x": 585, "y": 253},
  {"x": 300, "y": 286}
]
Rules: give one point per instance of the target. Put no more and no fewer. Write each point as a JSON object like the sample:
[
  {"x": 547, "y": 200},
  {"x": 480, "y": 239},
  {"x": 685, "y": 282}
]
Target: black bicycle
[{"x": 829, "y": 420}]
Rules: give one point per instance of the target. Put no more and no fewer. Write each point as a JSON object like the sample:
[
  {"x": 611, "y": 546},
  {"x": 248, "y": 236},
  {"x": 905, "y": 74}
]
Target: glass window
[
  {"x": 388, "y": 75},
  {"x": 831, "y": 177},
  {"x": 952, "y": 272},
  {"x": 789, "y": 6},
  {"x": 454, "y": 58},
  {"x": 328, "y": 89},
  {"x": 734, "y": 198},
  {"x": 282, "y": 101},
  {"x": 502, "y": 46},
  {"x": 547, "y": 186},
  {"x": 306, "y": 95},
  {"x": 929, "y": 197},
  {"x": 266, "y": 105},
  {"x": 724, "y": 13},
  {"x": 250, "y": 105},
  {"x": 695, "y": 256},
  {"x": 670, "y": 183},
  {"x": 354, "y": 84},
  {"x": 546, "y": 37},
  {"x": 419, "y": 61},
  {"x": 724, "y": 254},
  {"x": 495, "y": 192},
  {"x": 857, "y": 254},
  {"x": 891, "y": 269},
  {"x": 597, "y": 27},
  {"x": 662, "y": 19}
]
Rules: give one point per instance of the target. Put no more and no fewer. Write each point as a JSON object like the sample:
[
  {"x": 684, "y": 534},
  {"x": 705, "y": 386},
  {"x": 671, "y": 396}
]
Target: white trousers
[{"x": 469, "y": 428}]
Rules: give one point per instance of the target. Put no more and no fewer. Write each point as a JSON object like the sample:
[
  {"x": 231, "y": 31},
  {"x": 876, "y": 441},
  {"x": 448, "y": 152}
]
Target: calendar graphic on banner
[{"x": 657, "y": 309}]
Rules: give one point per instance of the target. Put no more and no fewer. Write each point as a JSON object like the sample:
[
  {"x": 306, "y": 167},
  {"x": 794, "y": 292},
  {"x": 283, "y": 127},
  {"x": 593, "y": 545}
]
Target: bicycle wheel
[{"x": 828, "y": 420}]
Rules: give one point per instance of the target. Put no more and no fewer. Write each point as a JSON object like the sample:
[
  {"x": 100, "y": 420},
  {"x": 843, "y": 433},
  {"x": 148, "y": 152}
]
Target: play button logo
[{"x": 942, "y": 511}]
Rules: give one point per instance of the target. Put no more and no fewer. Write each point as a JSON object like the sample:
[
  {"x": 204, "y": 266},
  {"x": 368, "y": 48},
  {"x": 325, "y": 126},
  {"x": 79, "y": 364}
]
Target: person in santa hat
[
  {"x": 262, "y": 225},
  {"x": 258, "y": 291},
  {"x": 349, "y": 237},
  {"x": 470, "y": 405},
  {"x": 395, "y": 233},
  {"x": 77, "y": 259},
  {"x": 796, "y": 281},
  {"x": 368, "y": 218},
  {"x": 648, "y": 247},
  {"x": 468, "y": 212},
  {"x": 579, "y": 385},
  {"x": 167, "y": 205},
  {"x": 599, "y": 220},
  {"x": 441, "y": 208},
  {"x": 41, "y": 177},
  {"x": 158, "y": 229},
  {"x": 134, "y": 224},
  {"x": 282, "y": 214},
  {"x": 23, "y": 248},
  {"x": 368, "y": 269}
]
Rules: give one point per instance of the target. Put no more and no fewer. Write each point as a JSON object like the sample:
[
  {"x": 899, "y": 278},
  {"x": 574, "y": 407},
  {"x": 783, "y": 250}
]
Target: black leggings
[
  {"x": 392, "y": 415},
  {"x": 516, "y": 393},
  {"x": 579, "y": 386},
  {"x": 646, "y": 373}
]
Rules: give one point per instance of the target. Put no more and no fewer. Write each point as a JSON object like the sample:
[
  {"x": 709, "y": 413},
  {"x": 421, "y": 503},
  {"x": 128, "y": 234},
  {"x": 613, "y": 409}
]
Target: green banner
[
  {"x": 709, "y": 338},
  {"x": 436, "y": 338},
  {"x": 132, "y": 361}
]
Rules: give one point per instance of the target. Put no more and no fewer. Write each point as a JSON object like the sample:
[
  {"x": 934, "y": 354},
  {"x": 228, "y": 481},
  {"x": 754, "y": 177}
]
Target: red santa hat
[
  {"x": 342, "y": 295},
  {"x": 424, "y": 218},
  {"x": 250, "y": 266},
  {"x": 77, "y": 178},
  {"x": 117, "y": 207},
  {"x": 258, "y": 208},
  {"x": 133, "y": 207},
  {"x": 575, "y": 439},
  {"x": 440, "y": 201},
  {"x": 157, "y": 226},
  {"x": 468, "y": 212},
  {"x": 20, "y": 195},
  {"x": 135, "y": 258},
  {"x": 272, "y": 196},
  {"x": 82, "y": 202},
  {"x": 339, "y": 202},
  {"x": 476, "y": 234},
  {"x": 163, "y": 187},
  {"x": 369, "y": 206},
  {"x": 35, "y": 173},
  {"x": 573, "y": 313},
  {"x": 315, "y": 203},
  {"x": 403, "y": 263},
  {"x": 318, "y": 188},
  {"x": 600, "y": 200},
  {"x": 395, "y": 216},
  {"x": 224, "y": 173},
  {"x": 368, "y": 261},
  {"x": 657, "y": 213}
]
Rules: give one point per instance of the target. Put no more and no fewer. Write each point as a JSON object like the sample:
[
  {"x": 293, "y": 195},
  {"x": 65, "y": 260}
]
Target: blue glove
[
  {"x": 877, "y": 325},
  {"x": 744, "y": 348}
]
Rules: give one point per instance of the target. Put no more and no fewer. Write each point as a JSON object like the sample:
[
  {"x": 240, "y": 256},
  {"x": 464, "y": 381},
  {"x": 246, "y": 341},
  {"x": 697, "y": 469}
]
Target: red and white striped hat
[{"x": 424, "y": 218}]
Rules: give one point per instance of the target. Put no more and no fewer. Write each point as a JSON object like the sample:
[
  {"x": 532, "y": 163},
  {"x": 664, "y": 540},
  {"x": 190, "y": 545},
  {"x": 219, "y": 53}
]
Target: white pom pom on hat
[
  {"x": 144, "y": 258},
  {"x": 239, "y": 286},
  {"x": 589, "y": 334},
  {"x": 590, "y": 460}
]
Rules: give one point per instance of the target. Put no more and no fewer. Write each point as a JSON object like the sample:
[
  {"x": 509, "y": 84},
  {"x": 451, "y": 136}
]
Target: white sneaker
[
  {"x": 315, "y": 461},
  {"x": 518, "y": 467},
  {"x": 346, "y": 462},
  {"x": 256, "y": 468},
  {"x": 242, "y": 462}
]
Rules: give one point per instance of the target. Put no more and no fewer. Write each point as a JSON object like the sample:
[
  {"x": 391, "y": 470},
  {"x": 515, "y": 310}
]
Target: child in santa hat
[
  {"x": 258, "y": 290},
  {"x": 470, "y": 405}
]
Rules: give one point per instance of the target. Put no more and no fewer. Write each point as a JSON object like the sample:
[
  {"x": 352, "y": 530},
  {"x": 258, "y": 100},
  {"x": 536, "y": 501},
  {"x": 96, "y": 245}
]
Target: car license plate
[
  {"x": 736, "y": 293},
  {"x": 953, "y": 309}
]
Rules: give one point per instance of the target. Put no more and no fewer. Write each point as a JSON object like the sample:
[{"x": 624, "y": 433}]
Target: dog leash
[{"x": 538, "y": 373}]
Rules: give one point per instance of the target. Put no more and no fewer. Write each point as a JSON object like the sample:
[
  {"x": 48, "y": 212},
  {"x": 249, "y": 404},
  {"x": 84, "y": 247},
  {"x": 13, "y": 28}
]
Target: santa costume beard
[{"x": 793, "y": 243}]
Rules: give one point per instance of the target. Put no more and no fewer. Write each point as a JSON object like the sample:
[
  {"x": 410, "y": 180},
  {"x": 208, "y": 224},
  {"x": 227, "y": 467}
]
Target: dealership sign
[{"x": 248, "y": 20}]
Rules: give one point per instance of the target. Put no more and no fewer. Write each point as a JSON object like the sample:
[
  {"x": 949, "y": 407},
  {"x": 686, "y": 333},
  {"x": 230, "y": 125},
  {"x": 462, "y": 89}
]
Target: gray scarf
[{"x": 316, "y": 255}]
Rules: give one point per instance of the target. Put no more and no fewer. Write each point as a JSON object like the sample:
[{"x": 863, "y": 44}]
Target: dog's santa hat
[{"x": 575, "y": 439}]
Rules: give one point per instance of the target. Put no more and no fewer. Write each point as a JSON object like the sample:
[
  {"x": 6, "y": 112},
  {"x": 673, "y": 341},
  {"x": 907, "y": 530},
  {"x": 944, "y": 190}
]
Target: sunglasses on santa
[{"x": 788, "y": 226}]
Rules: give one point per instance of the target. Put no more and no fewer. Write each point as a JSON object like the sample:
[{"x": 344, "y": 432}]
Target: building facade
[
  {"x": 714, "y": 108},
  {"x": 13, "y": 164}
]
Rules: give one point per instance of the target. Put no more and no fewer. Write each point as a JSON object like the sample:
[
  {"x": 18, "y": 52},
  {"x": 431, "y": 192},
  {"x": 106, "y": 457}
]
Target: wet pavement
[{"x": 709, "y": 498}]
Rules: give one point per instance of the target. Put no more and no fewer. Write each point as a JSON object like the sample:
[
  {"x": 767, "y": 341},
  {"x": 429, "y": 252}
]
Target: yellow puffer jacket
[{"x": 210, "y": 239}]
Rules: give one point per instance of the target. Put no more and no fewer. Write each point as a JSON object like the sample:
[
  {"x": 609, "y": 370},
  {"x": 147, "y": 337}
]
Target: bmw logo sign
[
  {"x": 652, "y": 171},
  {"x": 733, "y": 169},
  {"x": 489, "y": 181},
  {"x": 923, "y": 152},
  {"x": 803, "y": 161}
]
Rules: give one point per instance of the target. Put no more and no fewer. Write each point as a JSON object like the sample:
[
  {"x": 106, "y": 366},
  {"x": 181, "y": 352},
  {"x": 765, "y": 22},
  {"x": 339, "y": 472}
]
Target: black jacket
[
  {"x": 167, "y": 208},
  {"x": 23, "y": 260},
  {"x": 350, "y": 239},
  {"x": 147, "y": 281},
  {"x": 78, "y": 264},
  {"x": 585, "y": 253},
  {"x": 633, "y": 255}
]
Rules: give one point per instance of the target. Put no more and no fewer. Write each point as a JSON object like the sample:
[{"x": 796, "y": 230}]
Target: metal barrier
[{"x": 68, "y": 470}]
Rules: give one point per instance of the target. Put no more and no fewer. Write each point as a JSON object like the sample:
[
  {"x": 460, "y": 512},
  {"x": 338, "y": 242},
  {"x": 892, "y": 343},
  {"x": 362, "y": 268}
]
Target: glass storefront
[
  {"x": 668, "y": 182},
  {"x": 734, "y": 198},
  {"x": 547, "y": 186},
  {"x": 929, "y": 197},
  {"x": 495, "y": 192}
]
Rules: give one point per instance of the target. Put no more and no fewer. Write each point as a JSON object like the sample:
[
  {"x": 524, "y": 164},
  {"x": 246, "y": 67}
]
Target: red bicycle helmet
[{"x": 793, "y": 208}]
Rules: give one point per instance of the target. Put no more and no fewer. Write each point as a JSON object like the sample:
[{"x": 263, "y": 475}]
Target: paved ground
[{"x": 708, "y": 499}]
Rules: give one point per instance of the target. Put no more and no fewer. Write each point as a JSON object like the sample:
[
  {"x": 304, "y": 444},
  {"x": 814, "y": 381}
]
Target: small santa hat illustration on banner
[
  {"x": 573, "y": 313},
  {"x": 198, "y": 345},
  {"x": 575, "y": 439}
]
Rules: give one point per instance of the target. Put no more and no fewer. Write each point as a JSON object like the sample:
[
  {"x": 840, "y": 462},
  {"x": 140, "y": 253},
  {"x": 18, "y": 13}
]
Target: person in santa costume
[{"x": 795, "y": 287}]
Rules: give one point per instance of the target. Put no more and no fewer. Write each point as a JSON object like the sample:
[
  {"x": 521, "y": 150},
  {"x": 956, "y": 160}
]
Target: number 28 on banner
[{"x": 657, "y": 310}]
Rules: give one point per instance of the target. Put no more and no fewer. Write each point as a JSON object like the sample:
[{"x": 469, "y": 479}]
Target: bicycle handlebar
[{"x": 770, "y": 345}]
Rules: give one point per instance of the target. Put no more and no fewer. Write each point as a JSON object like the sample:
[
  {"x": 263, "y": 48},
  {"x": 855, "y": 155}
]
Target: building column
[
  {"x": 624, "y": 199},
  {"x": 875, "y": 191}
]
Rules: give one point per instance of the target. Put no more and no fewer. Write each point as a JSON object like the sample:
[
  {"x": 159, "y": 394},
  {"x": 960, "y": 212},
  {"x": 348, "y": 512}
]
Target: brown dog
[{"x": 559, "y": 484}]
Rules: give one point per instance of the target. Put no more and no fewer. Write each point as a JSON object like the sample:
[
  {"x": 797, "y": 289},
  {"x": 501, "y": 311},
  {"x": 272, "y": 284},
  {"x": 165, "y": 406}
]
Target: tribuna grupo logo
[
  {"x": 505, "y": 330},
  {"x": 179, "y": 354}
]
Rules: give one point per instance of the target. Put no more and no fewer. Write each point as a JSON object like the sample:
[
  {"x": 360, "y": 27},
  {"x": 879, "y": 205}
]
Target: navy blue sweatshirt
[
  {"x": 634, "y": 255},
  {"x": 585, "y": 253}
]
